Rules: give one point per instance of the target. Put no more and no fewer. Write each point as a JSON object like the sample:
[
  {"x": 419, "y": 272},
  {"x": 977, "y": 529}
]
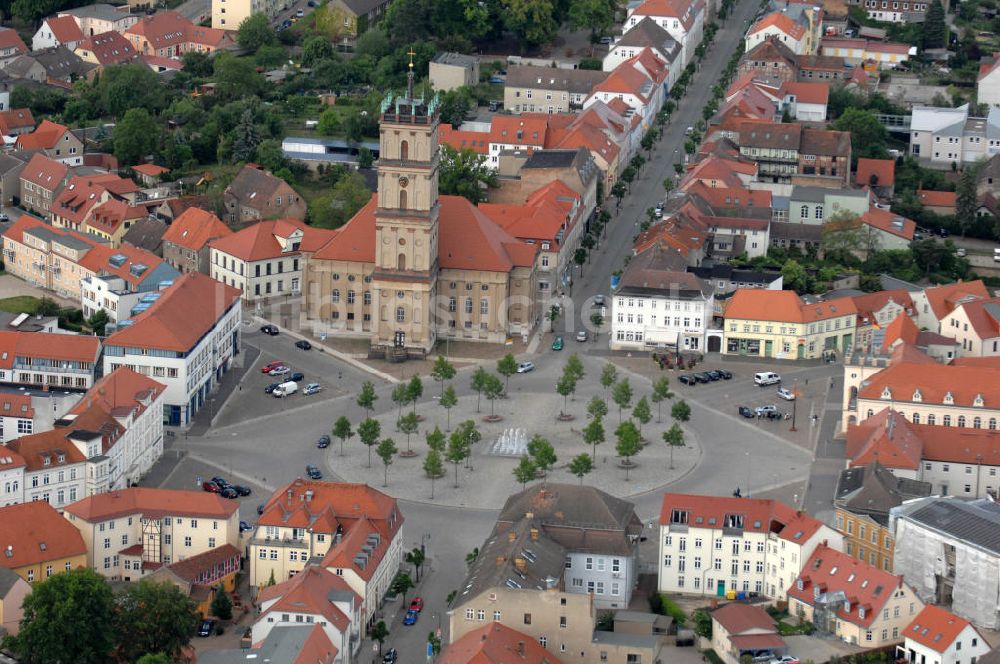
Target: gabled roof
[
  {"x": 168, "y": 28},
  {"x": 132, "y": 264},
  {"x": 14, "y": 119},
  {"x": 826, "y": 142},
  {"x": 685, "y": 12},
  {"x": 889, "y": 222},
  {"x": 33, "y": 533},
  {"x": 545, "y": 214},
  {"x": 933, "y": 383},
  {"x": 937, "y": 198},
  {"x": 987, "y": 65},
  {"x": 626, "y": 79},
  {"x": 779, "y": 21},
  {"x": 146, "y": 234},
  {"x": 206, "y": 566},
  {"x": 477, "y": 141},
  {"x": 875, "y": 172},
  {"x": 195, "y": 228},
  {"x": 647, "y": 33},
  {"x": 153, "y": 503},
  {"x": 527, "y": 129},
  {"x": 288, "y": 644},
  {"x": 180, "y": 317},
  {"x": 577, "y": 81},
  {"x": 9, "y": 39},
  {"x": 944, "y": 299},
  {"x": 738, "y": 618},
  {"x": 496, "y": 643},
  {"x": 901, "y": 329},
  {"x": 308, "y": 592},
  {"x": 45, "y": 136},
  {"x": 784, "y": 306},
  {"x": 936, "y": 628},
  {"x": 757, "y": 515},
  {"x": 873, "y": 490},
  {"x": 109, "y": 48},
  {"x": 110, "y": 215},
  {"x": 49, "y": 346},
  {"x": 974, "y": 523},
  {"x": 785, "y": 136},
  {"x": 45, "y": 172},
  {"x": 984, "y": 316},
  {"x": 253, "y": 187},
  {"x": 806, "y": 92},
  {"x": 79, "y": 196},
  {"x": 64, "y": 29},
  {"x": 869, "y": 303},
  {"x": 264, "y": 239},
  {"x": 771, "y": 50},
  {"x": 151, "y": 170}
]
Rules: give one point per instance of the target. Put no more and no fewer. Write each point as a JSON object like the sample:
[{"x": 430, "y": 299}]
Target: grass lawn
[{"x": 19, "y": 304}]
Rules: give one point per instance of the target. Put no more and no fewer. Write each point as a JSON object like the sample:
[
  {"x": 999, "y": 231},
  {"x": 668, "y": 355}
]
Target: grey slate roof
[
  {"x": 455, "y": 59},
  {"x": 873, "y": 491},
  {"x": 48, "y": 235},
  {"x": 61, "y": 63},
  {"x": 282, "y": 644},
  {"x": 647, "y": 34},
  {"x": 146, "y": 234},
  {"x": 98, "y": 10},
  {"x": 252, "y": 180},
  {"x": 580, "y": 81},
  {"x": 550, "y": 159},
  {"x": 724, "y": 271},
  {"x": 7, "y": 580},
  {"x": 976, "y": 523}
]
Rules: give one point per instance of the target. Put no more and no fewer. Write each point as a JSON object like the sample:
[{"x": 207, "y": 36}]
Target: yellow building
[
  {"x": 200, "y": 576},
  {"x": 38, "y": 542},
  {"x": 778, "y": 324}
]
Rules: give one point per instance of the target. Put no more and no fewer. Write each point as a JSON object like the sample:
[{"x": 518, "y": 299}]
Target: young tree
[
  {"x": 593, "y": 435},
  {"x": 608, "y": 377},
  {"x": 597, "y": 320},
  {"x": 408, "y": 424},
  {"x": 156, "y": 617},
  {"x": 416, "y": 557},
  {"x": 542, "y": 453},
  {"x": 574, "y": 367},
  {"x": 433, "y": 467},
  {"x": 582, "y": 464},
  {"x": 628, "y": 443},
  {"x": 458, "y": 450},
  {"x": 400, "y": 397},
  {"x": 67, "y": 617},
  {"x": 342, "y": 430},
  {"x": 367, "y": 398},
  {"x": 507, "y": 367},
  {"x": 154, "y": 658},
  {"x": 472, "y": 556},
  {"x": 622, "y": 396},
  {"x": 470, "y": 435},
  {"x": 681, "y": 411},
  {"x": 443, "y": 371},
  {"x": 368, "y": 431},
  {"x": 661, "y": 392},
  {"x": 674, "y": 437},
  {"x": 379, "y": 634},
  {"x": 642, "y": 414},
  {"x": 222, "y": 604},
  {"x": 493, "y": 389},
  {"x": 553, "y": 316},
  {"x": 436, "y": 440},
  {"x": 525, "y": 471},
  {"x": 565, "y": 386},
  {"x": 415, "y": 390},
  {"x": 385, "y": 451},
  {"x": 479, "y": 384},
  {"x": 597, "y": 408},
  {"x": 580, "y": 258},
  {"x": 98, "y": 322},
  {"x": 448, "y": 401}
]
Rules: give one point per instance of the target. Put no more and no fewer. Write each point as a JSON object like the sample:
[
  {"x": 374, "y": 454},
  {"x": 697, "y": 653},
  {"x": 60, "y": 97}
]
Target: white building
[
  {"x": 711, "y": 545},
  {"x": 781, "y": 27},
  {"x": 646, "y": 34},
  {"x": 57, "y": 31},
  {"x": 975, "y": 325},
  {"x": 684, "y": 21},
  {"x": 115, "y": 296},
  {"x": 988, "y": 83},
  {"x": 49, "y": 360},
  {"x": 12, "y": 468},
  {"x": 937, "y": 636},
  {"x": 947, "y": 550},
  {"x": 655, "y": 307},
  {"x": 187, "y": 340}
]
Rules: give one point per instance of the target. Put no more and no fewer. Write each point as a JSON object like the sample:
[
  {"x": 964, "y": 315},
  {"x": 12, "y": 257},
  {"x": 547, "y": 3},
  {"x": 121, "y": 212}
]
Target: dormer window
[
  {"x": 886, "y": 393},
  {"x": 917, "y": 396},
  {"x": 800, "y": 584},
  {"x": 816, "y": 592},
  {"x": 847, "y": 606},
  {"x": 861, "y": 614},
  {"x": 949, "y": 399},
  {"x": 978, "y": 401}
]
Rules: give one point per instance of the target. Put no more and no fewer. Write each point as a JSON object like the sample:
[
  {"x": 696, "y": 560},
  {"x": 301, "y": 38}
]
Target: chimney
[
  {"x": 521, "y": 564},
  {"x": 529, "y": 515},
  {"x": 511, "y": 536},
  {"x": 534, "y": 534}
]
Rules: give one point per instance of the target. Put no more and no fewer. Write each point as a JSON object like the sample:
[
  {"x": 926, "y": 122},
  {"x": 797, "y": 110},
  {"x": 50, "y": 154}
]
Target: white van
[
  {"x": 286, "y": 389},
  {"x": 996, "y": 255},
  {"x": 765, "y": 378}
]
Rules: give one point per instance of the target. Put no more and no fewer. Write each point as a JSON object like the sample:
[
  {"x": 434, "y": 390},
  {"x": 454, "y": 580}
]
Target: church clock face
[{"x": 403, "y": 182}]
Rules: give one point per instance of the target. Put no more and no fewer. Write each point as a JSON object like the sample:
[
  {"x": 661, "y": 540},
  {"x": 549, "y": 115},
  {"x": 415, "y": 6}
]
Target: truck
[{"x": 287, "y": 388}]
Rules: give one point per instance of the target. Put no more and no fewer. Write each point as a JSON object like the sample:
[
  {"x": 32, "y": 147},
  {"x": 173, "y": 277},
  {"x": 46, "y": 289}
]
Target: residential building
[
  {"x": 946, "y": 548},
  {"x": 37, "y": 542},
  {"x": 357, "y": 531},
  {"x": 599, "y": 533},
  {"x": 547, "y": 90},
  {"x": 496, "y": 642},
  {"x": 55, "y": 141},
  {"x": 55, "y": 468},
  {"x": 782, "y": 27},
  {"x": 576, "y": 168},
  {"x": 712, "y": 546},
  {"x": 863, "y": 498},
  {"x": 804, "y": 101},
  {"x": 202, "y": 575},
  {"x": 229, "y": 14},
  {"x": 13, "y": 590},
  {"x": 877, "y": 174},
  {"x": 722, "y": 279},
  {"x": 149, "y": 175},
  {"x": 988, "y": 81},
  {"x": 99, "y": 18},
  {"x": 301, "y": 644},
  {"x": 167, "y": 34},
  {"x": 40, "y": 180},
  {"x": 816, "y": 205},
  {"x": 265, "y": 260},
  {"x": 357, "y": 16},
  {"x": 40, "y": 359},
  {"x": 187, "y": 339},
  {"x": 146, "y": 234},
  {"x": 105, "y": 49},
  {"x": 11, "y": 167},
  {"x": 876, "y": 312},
  {"x": 186, "y": 242},
  {"x": 57, "y": 31},
  {"x": 934, "y": 303},
  {"x": 885, "y": 230},
  {"x": 785, "y": 150},
  {"x": 938, "y": 202},
  {"x": 56, "y": 66},
  {"x": 684, "y": 21},
  {"x": 825, "y": 152},
  {"x": 472, "y": 281},
  {"x": 647, "y": 33},
  {"x": 885, "y": 54},
  {"x": 256, "y": 195},
  {"x": 780, "y": 324},
  {"x": 12, "y": 469},
  {"x": 950, "y": 135},
  {"x": 745, "y": 630},
  {"x": 113, "y": 218},
  {"x": 656, "y": 307},
  {"x": 937, "y": 636},
  {"x": 638, "y": 84},
  {"x": 770, "y": 61},
  {"x": 11, "y": 45},
  {"x": 17, "y": 417},
  {"x": 852, "y": 600},
  {"x": 453, "y": 70},
  {"x": 314, "y": 595},
  {"x": 975, "y": 324},
  {"x": 16, "y": 121},
  {"x": 74, "y": 206},
  {"x": 132, "y": 532},
  {"x": 900, "y": 12}
]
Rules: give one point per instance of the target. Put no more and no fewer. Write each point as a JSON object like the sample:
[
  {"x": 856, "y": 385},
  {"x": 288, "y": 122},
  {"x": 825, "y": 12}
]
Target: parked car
[
  {"x": 206, "y": 627},
  {"x": 304, "y": 345},
  {"x": 271, "y": 366},
  {"x": 557, "y": 343},
  {"x": 271, "y": 387},
  {"x": 211, "y": 487},
  {"x": 943, "y": 232},
  {"x": 297, "y": 377},
  {"x": 702, "y": 377},
  {"x": 786, "y": 394},
  {"x": 607, "y": 40},
  {"x": 390, "y": 656},
  {"x": 411, "y": 618},
  {"x": 713, "y": 374},
  {"x": 787, "y": 659},
  {"x": 279, "y": 371},
  {"x": 525, "y": 367},
  {"x": 323, "y": 442},
  {"x": 766, "y": 378},
  {"x": 598, "y": 300},
  {"x": 222, "y": 482},
  {"x": 269, "y": 329},
  {"x": 241, "y": 489},
  {"x": 312, "y": 388},
  {"x": 313, "y": 472},
  {"x": 764, "y": 410},
  {"x": 300, "y": 13},
  {"x": 687, "y": 379},
  {"x": 495, "y": 105},
  {"x": 746, "y": 412},
  {"x": 286, "y": 24},
  {"x": 581, "y": 335},
  {"x": 229, "y": 492},
  {"x": 4, "y": 218},
  {"x": 417, "y": 604},
  {"x": 961, "y": 252},
  {"x": 775, "y": 415},
  {"x": 726, "y": 375},
  {"x": 245, "y": 526}
]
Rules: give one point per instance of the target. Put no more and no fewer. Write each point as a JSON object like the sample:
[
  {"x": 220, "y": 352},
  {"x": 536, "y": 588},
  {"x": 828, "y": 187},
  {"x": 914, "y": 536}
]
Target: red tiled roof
[
  {"x": 527, "y": 129},
  {"x": 9, "y": 39},
  {"x": 153, "y": 503},
  {"x": 739, "y": 618},
  {"x": 936, "y": 628},
  {"x": 984, "y": 316},
  {"x": 889, "y": 222},
  {"x": 759, "y": 516},
  {"x": 869, "y": 303},
  {"x": 685, "y": 12},
  {"x": 542, "y": 217},
  {"x": 64, "y": 29},
  {"x": 780, "y": 21},
  {"x": 43, "y": 450},
  {"x": 79, "y": 196},
  {"x": 757, "y": 642},
  {"x": 988, "y": 65},
  {"x": 49, "y": 345},
  {"x": 181, "y": 316},
  {"x": 806, "y": 92},
  {"x": 930, "y": 198},
  {"x": 883, "y": 169},
  {"x": 35, "y": 532},
  {"x": 934, "y": 381},
  {"x": 45, "y": 136},
  {"x": 123, "y": 390},
  {"x": 260, "y": 241},
  {"x": 207, "y": 566},
  {"x": 944, "y": 299},
  {"x": 45, "y": 172},
  {"x": 870, "y": 45},
  {"x": 902, "y": 329},
  {"x": 168, "y": 28},
  {"x": 110, "y": 215},
  {"x": 496, "y": 643},
  {"x": 195, "y": 228},
  {"x": 16, "y": 404},
  {"x": 15, "y": 118},
  {"x": 784, "y": 306},
  {"x": 151, "y": 170},
  {"x": 866, "y": 586},
  {"x": 109, "y": 48},
  {"x": 98, "y": 261},
  {"x": 477, "y": 141},
  {"x": 626, "y": 79},
  {"x": 308, "y": 592},
  {"x": 886, "y": 437}
]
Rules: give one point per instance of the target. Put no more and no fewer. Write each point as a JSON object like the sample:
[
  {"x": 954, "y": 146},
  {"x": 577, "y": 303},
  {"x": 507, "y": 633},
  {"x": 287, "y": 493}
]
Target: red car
[
  {"x": 271, "y": 366},
  {"x": 211, "y": 487},
  {"x": 417, "y": 604}
]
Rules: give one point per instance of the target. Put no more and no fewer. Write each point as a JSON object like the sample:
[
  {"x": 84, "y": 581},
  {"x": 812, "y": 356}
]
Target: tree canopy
[{"x": 465, "y": 173}]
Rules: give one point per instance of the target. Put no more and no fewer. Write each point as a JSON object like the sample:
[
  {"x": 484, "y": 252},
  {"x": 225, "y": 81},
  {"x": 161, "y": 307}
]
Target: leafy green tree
[
  {"x": 593, "y": 434},
  {"x": 507, "y": 367},
  {"x": 609, "y": 374},
  {"x": 385, "y": 451},
  {"x": 416, "y": 557},
  {"x": 369, "y": 431},
  {"x": 553, "y": 315},
  {"x": 235, "y": 78},
  {"x": 596, "y": 15},
  {"x": 935, "y": 30},
  {"x": 435, "y": 439},
  {"x": 400, "y": 396},
  {"x": 367, "y": 398},
  {"x": 621, "y": 394},
  {"x": 574, "y": 367},
  {"x": 458, "y": 450},
  {"x": 255, "y": 31},
  {"x": 342, "y": 430},
  {"x": 443, "y": 371},
  {"x": 346, "y": 197},
  {"x": 472, "y": 556},
  {"x": 465, "y": 173},
  {"x": 965, "y": 200},
  {"x": 448, "y": 401},
  {"x": 455, "y": 105},
  {"x": 629, "y": 443},
  {"x": 543, "y": 455},
  {"x": 582, "y": 464},
  {"x": 661, "y": 392},
  {"x": 533, "y": 22},
  {"x": 433, "y": 467},
  {"x": 316, "y": 49},
  {"x": 67, "y": 619},
  {"x": 597, "y": 408},
  {"x": 365, "y": 157},
  {"x": 328, "y": 123},
  {"x": 415, "y": 390},
  {"x": 222, "y": 605},
  {"x": 493, "y": 389},
  {"x": 247, "y": 138},
  {"x": 525, "y": 471},
  {"x": 642, "y": 413},
  {"x": 479, "y": 378},
  {"x": 156, "y": 617},
  {"x": 681, "y": 411},
  {"x": 408, "y": 424},
  {"x": 597, "y": 320},
  {"x": 379, "y": 634},
  {"x": 136, "y": 136},
  {"x": 197, "y": 64},
  {"x": 794, "y": 276},
  {"x": 468, "y": 432},
  {"x": 673, "y": 437},
  {"x": 844, "y": 237},
  {"x": 565, "y": 386},
  {"x": 154, "y": 658},
  {"x": 98, "y": 322},
  {"x": 868, "y": 135}
]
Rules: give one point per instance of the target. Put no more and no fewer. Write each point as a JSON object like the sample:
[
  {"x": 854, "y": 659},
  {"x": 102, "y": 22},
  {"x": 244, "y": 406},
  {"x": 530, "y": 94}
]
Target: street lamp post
[
  {"x": 748, "y": 474},
  {"x": 795, "y": 401}
]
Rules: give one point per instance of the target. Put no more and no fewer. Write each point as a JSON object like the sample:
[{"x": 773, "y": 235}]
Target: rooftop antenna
[{"x": 409, "y": 75}]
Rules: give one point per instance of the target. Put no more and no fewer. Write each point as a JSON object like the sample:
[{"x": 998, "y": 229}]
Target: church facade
[{"x": 412, "y": 267}]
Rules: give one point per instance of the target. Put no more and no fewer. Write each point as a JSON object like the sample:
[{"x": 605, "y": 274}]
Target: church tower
[{"x": 404, "y": 282}]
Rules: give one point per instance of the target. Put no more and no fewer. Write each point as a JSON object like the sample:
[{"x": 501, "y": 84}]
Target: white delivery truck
[{"x": 286, "y": 389}]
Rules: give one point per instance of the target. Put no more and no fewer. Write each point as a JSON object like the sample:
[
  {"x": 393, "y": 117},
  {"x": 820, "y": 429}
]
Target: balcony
[{"x": 20, "y": 366}]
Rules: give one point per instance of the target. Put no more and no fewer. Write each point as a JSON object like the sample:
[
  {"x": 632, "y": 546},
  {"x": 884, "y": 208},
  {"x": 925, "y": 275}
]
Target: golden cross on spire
[{"x": 411, "y": 53}]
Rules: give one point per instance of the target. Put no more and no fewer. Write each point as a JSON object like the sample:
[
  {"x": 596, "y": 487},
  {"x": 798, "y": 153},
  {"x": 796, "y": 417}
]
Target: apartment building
[
  {"x": 255, "y": 195},
  {"x": 132, "y": 532},
  {"x": 934, "y": 303},
  {"x": 202, "y": 576},
  {"x": 37, "y": 542},
  {"x": 41, "y": 179},
  {"x": 988, "y": 81},
  {"x": 780, "y": 26},
  {"x": 684, "y": 21},
  {"x": 99, "y": 18},
  {"x": 897, "y": 11},
  {"x": 492, "y": 643},
  {"x": 975, "y": 324},
  {"x": 952, "y": 135},
  {"x": 57, "y": 31},
  {"x": 55, "y": 141},
  {"x": 186, "y": 339},
  {"x": 712, "y": 546},
  {"x": 647, "y": 33},
  {"x": 937, "y": 636},
  {"x": 229, "y": 14},
  {"x": 546, "y": 90},
  {"x": 48, "y": 360},
  {"x": 186, "y": 242},
  {"x": 783, "y": 151},
  {"x": 167, "y": 34}
]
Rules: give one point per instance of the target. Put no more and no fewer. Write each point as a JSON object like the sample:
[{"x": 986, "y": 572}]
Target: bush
[{"x": 666, "y": 607}]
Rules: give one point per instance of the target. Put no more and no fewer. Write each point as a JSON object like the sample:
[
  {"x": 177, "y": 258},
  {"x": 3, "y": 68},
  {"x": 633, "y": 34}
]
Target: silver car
[{"x": 312, "y": 388}]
